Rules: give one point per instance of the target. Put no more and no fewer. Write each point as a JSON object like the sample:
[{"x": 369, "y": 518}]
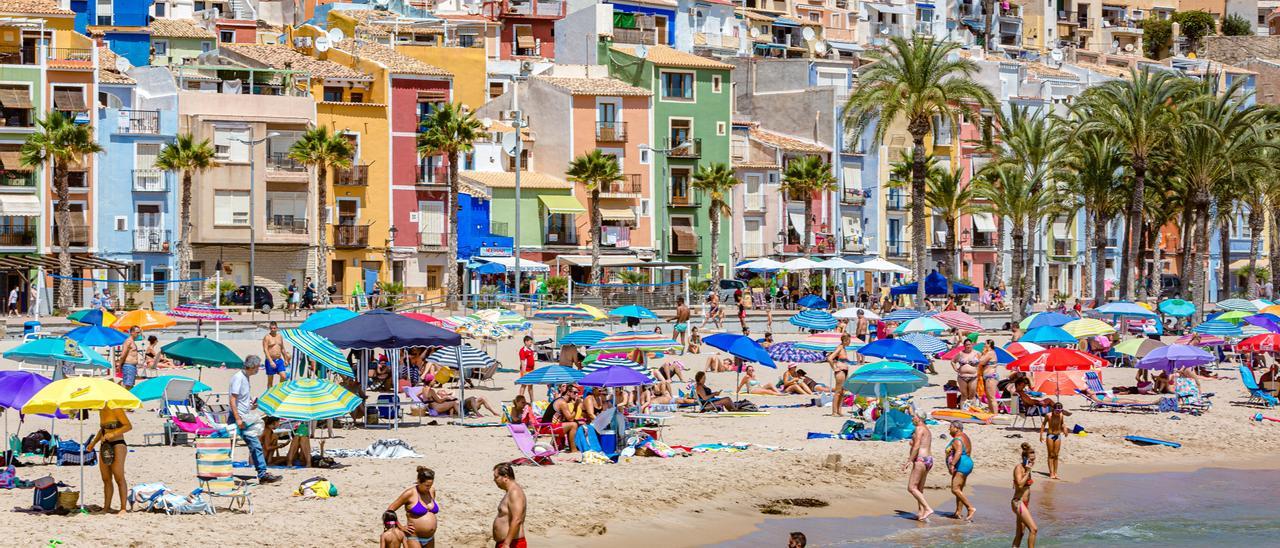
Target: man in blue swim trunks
[
  {"x": 277, "y": 362},
  {"x": 682, "y": 322}
]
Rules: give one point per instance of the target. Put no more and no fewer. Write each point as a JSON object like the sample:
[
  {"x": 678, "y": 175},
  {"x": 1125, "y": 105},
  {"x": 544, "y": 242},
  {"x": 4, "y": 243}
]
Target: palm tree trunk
[
  {"x": 715, "y": 243},
  {"x": 1135, "y": 221},
  {"x": 1125, "y": 270},
  {"x": 1191, "y": 264},
  {"x": 1198, "y": 294},
  {"x": 988, "y": 11},
  {"x": 322, "y": 234},
  {"x": 1145, "y": 267},
  {"x": 596, "y": 274},
  {"x": 1255, "y": 247},
  {"x": 1017, "y": 295},
  {"x": 1157, "y": 258},
  {"x": 918, "y": 130},
  {"x": 1099, "y": 263},
  {"x": 184, "y": 240},
  {"x": 1275, "y": 247},
  {"x": 1086, "y": 273},
  {"x": 451, "y": 263},
  {"x": 1188, "y": 229},
  {"x": 63, "y": 220},
  {"x": 997, "y": 277},
  {"x": 952, "y": 268},
  {"x": 804, "y": 238},
  {"x": 1224, "y": 247}
]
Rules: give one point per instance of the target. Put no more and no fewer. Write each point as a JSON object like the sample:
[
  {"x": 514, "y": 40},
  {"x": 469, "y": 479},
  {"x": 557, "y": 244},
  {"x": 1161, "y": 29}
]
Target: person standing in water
[
  {"x": 919, "y": 462},
  {"x": 508, "y": 527},
  {"x": 1052, "y": 431},
  {"x": 1022, "y": 497},
  {"x": 960, "y": 464}
]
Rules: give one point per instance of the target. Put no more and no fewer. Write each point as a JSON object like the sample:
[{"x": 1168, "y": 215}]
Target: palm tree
[
  {"x": 1096, "y": 166},
  {"x": 595, "y": 170},
  {"x": 450, "y": 131},
  {"x": 1010, "y": 194},
  {"x": 717, "y": 181},
  {"x": 59, "y": 142},
  {"x": 803, "y": 177},
  {"x": 947, "y": 195},
  {"x": 324, "y": 152},
  {"x": 1258, "y": 187},
  {"x": 1140, "y": 114},
  {"x": 188, "y": 157},
  {"x": 917, "y": 80}
]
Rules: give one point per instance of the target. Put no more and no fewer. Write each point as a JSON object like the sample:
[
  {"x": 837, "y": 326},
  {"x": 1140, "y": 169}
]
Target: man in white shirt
[
  {"x": 247, "y": 417},
  {"x": 13, "y": 301}
]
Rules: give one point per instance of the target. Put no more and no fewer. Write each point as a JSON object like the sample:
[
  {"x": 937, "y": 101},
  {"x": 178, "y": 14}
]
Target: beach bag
[
  {"x": 745, "y": 406},
  {"x": 37, "y": 443},
  {"x": 45, "y": 496},
  {"x": 68, "y": 500},
  {"x": 317, "y": 487}
]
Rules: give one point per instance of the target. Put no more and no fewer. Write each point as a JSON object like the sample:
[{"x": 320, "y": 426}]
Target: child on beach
[
  {"x": 1022, "y": 497},
  {"x": 527, "y": 357},
  {"x": 1052, "y": 432},
  {"x": 392, "y": 534}
]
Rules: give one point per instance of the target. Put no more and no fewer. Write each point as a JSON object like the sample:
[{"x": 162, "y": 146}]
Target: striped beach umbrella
[
  {"x": 583, "y": 337},
  {"x": 307, "y": 400},
  {"x": 1020, "y": 349},
  {"x": 1041, "y": 319},
  {"x": 902, "y": 315},
  {"x": 1219, "y": 328},
  {"x": 200, "y": 311},
  {"x": 1088, "y": 327},
  {"x": 643, "y": 341},
  {"x": 1240, "y": 305},
  {"x": 824, "y": 342},
  {"x": 920, "y": 325},
  {"x": 564, "y": 312},
  {"x": 789, "y": 352},
  {"x": 959, "y": 320},
  {"x": 319, "y": 349},
  {"x": 551, "y": 374},
  {"x": 1138, "y": 347},
  {"x": 615, "y": 362},
  {"x": 928, "y": 344},
  {"x": 93, "y": 316},
  {"x": 455, "y": 323},
  {"x": 1203, "y": 340},
  {"x": 466, "y": 355},
  {"x": 505, "y": 318},
  {"x": 819, "y": 320},
  {"x": 484, "y": 329},
  {"x": 1249, "y": 330}
]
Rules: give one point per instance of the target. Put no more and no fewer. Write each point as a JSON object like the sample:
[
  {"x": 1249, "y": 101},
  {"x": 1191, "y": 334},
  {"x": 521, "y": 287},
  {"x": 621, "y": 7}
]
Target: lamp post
[
  {"x": 964, "y": 240},
  {"x": 391, "y": 240},
  {"x": 253, "y": 152}
]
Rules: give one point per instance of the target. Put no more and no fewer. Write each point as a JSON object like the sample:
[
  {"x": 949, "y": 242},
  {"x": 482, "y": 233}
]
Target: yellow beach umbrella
[
  {"x": 1273, "y": 309},
  {"x": 76, "y": 393},
  {"x": 595, "y": 312},
  {"x": 1147, "y": 306},
  {"x": 1088, "y": 327},
  {"x": 144, "y": 319}
]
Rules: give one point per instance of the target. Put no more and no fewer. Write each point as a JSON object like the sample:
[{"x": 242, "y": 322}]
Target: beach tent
[{"x": 934, "y": 284}]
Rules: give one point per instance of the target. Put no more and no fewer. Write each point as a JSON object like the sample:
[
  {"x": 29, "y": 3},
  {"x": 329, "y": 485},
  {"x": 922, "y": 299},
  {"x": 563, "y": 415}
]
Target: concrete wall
[{"x": 181, "y": 49}]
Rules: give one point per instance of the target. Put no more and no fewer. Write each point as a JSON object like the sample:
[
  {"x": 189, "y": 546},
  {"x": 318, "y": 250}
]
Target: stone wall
[
  {"x": 1233, "y": 50},
  {"x": 1268, "y": 82}
]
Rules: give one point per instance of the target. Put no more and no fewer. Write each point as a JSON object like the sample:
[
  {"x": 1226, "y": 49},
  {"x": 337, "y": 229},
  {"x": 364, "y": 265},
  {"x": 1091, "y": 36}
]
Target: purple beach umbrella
[
  {"x": 615, "y": 376},
  {"x": 17, "y": 387},
  {"x": 1175, "y": 356}
]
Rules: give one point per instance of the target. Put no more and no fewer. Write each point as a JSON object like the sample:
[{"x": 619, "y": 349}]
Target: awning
[
  {"x": 1241, "y": 264},
  {"x": 15, "y": 98},
  {"x": 526, "y": 265},
  {"x": 69, "y": 100},
  {"x": 567, "y": 205},
  {"x": 975, "y": 24},
  {"x": 1059, "y": 231},
  {"x": 50, "y": 262},
  {"x": 785, "y": 22},
  {"x": 924, "y": 5},
  {"x": 617, "y": 214},
  {"x": 12, "y": 160},
  {"x": 19, "y": 205},
  {"x": 605, "y": 261},
  {"x": 847, "y": 47},
  {"x": 797, "y": 221},
  {"x": 686, "y": 239},
  {"x": 524, "y": 38},
  {"x": 887, "y": 8},
  {"x": 983, "y": 222}
]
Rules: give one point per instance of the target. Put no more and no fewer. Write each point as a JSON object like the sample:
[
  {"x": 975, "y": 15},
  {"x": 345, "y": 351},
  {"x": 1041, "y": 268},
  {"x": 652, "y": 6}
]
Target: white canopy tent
[
  {"x": 801, "y": 263},
  {"x": 880, "y": 265}
]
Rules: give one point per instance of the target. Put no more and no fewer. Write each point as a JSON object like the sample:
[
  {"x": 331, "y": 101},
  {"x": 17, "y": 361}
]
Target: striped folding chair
[{"x": 214, "y": 470}]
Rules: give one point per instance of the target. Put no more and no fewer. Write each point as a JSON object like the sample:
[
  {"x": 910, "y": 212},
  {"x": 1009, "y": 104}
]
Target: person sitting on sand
[
  {"x": 1164, "y": 382},
  {"x": 767, "y": 341},
  {"x": 719, "y": 364},
  {"x": 711, "y": 400},
  {"x": 1052, "y": 432},
  {"x": 750, "y": 385},
  {"x": 442, "y": 402},
  {"x": 790, "y": 382},
  {"x": 919, "y": 462},
  {"x": 814, "y": 386},
  {"x": 153, "y": 358},
  {"x": 695, "y": 341},
  {"x": 381, "y": 376},
  {"x": 594, "y": 403},
  {"x": 560, "y": 420},
  {"x": 271, "y": 442}
]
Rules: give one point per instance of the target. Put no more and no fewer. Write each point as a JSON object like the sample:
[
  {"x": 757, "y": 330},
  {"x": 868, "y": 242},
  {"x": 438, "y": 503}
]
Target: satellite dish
[
  {"x": 508, "y": 142},
  {"x": 755, "y": 32},
  {"x": 808, "y": 34},
  {"x": 122, "y": 65},
  {"x": 336, "y": 36},
  {"x": 1115, "y": 43},
  {"x": 322, "y": 43},
  {"x": 1128, "y": 47},
  {"x": 820, "y": 47},
  {"x": 884, "y": 30},
  {"x": 642, "y": 51},
  {"x": 1056, "y": 55}
]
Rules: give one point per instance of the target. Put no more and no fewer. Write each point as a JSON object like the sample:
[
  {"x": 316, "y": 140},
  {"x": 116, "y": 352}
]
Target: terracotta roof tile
[
  {"x": 282, "y": 57},
  {"x": 787, "y": 143},
  {"x": 397, "y": 62},
  {"x": 39, "y": 7},
  {"x": 665, "y": 56},
  {"x": 178, "y": 28},
  {"x": 507, "y": 179},
  {"x": 755, "y": 165},
  {"x": 389, "y": 22},
  {"x": 107, "y": 69},
  {"x": 1049, "y": 72},
  {"x": 595, "y": 86}
]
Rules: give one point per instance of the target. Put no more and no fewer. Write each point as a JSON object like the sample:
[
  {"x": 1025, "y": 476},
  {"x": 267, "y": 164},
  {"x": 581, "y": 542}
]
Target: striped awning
[{"x": 319, "y": 349}]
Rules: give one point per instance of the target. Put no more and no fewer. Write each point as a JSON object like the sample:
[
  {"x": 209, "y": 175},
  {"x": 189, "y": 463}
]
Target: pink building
[{"x": 766, "y": 222}]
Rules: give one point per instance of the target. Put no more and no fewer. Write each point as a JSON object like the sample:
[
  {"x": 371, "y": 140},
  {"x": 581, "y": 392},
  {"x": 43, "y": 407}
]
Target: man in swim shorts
[
  {"x": 277, "y": 363},
  {"x": 682, "y": 321}
]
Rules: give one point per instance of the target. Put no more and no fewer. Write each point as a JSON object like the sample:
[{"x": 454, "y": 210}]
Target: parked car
[
  {"x": 1170, "y": 286},
  {"x": 728, "y": 287},
  {"x": 262, "y": 297}
]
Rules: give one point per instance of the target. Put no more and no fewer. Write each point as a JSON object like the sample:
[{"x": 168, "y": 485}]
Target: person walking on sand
[
  {"x": 128, "y": 360},
  {"x": 839, "y": 361},
  {"x": 508, "y": 527},
  {"x": 919, "y": 461},
  {"x": 13, "y": 301},
  {"x": 113, "y": 424},
  {"x": 527, "y": 356},
  {"x": 1022, "y": 498},
  {"x": 1052, "y": 432},
  {"x": 960, "y": 464},
  {"x": 273, "y": 350},
  {"x": 247, "y": 417},
  {"x": 420, "y": 507},
  {"x": 681, "y": 321}
]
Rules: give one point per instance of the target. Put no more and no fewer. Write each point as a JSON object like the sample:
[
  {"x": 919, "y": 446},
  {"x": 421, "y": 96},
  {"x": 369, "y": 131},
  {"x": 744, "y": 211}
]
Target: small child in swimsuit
[
  {"x": 392, "y": 534},
  {"x": 1052, "y": 432}
]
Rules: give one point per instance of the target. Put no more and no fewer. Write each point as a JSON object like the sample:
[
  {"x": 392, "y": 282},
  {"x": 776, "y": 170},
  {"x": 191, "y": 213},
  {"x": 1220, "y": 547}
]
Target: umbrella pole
[
  {"x": 82, "y": 490},
  {"x": 395, "y": 386},
  {"x": 462, "y": 387}
]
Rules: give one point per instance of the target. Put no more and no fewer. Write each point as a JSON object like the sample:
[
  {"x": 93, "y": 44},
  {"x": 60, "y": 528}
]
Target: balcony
[
  {"x": 286, "y": 224},
  {"x": 692, "y": 245},
  {"x": 853, "y": 245},
  {"x": 716, "y": 40},
  {"x": 78, "y": 181},
  {"x": 1062, "y": 249},
  {"x": 853, "y": 196},
  {"x": 280, "y": 161},
  {"x": 897, "y": 249},
  {"x": 17, "y": 234},
  {"x": 628, "y": 187},
  {"x": 754, "y": 203},
  {"x": 151, "y": 239},
  {"x": 433, "y": 176},
  {"x": 433, "y": 241},
  {"x": 1068, "y": 17},
  {"x": 356, "y": 175},
  {"x": 683, "y": 148},
  {"x": 149, "y": 180},
  {"x": 611, "y": 132},
  {"x": 560, "y": 237},
  {"x": 895, "y": 202},
  {"x": 15, "y": 55},
  {"x": 550, "y": 9},
  {"x": 635, "y": 36},
  {"x": 139, "y": 122},
  {"x": 350, "y": 236},
  {"x": 77, "y": 234},
  {"x": 755, "y": 249},
  {"x": 686, "y": 199},
  {"x": 70, "y": 56},
  {"x": 984, "y": 240},
  {"x": 17, "y": 181}
]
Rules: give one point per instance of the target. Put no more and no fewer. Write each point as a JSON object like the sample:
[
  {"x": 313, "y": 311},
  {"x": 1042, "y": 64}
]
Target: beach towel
[
  {"x": 316, "y": 488},
  {"x": 381, "y": 449}
]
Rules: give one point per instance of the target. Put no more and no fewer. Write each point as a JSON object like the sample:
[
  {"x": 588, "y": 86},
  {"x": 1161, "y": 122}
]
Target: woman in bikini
[
  {"x": 965, "y": 365},
  {"x": 153, "y": 358},
  {"x": 960, "y": 464},
  {"x": 114, "y": 423},
  {"x": 695, "y": 341},
  {"x": 420, "y": 506},
  {"x": 1022, "y": 497},
  {"x": 1052, "y": 431},
  {"x": 839, "y": 362},
  {"x": 988, "y": 371},
  {"x": 442, "y": 402},
  {"x": 792, "y": 382},
  {"x": 750, "y": 385},
  {"x": 919, "y": 461}
]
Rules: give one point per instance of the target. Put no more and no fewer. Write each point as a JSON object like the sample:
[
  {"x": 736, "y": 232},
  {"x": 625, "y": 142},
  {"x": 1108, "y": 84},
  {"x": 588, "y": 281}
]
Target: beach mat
[{"x": 729, "y": 414}]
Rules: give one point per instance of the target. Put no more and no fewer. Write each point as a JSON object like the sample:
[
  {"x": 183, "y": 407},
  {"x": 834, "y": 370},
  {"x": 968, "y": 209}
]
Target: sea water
[{"x": 1208, "y": 507}]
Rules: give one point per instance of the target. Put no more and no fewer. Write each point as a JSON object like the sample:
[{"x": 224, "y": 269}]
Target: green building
[
  {"x": 174, "y": 41},
  {"x": 692, "y": 105}
]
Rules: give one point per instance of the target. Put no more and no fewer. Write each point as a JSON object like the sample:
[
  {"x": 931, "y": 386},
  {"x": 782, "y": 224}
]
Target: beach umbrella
[
  {"x": 512, "y": 321},
  {"x": 153, "y": 388},
  {"x": 1045, "y": 319},
  {"x": 1137, "y": 347},
  {"x": 1175, "y": 356},
  {"x": 326, "y": 318},
  {"x": 144, "y": 319},
  {"x": 1273, "y": 309},
  {"x": 93, "y": 316},
  {"x": 740, "y": 346},
  {"x": 307, "y": 399},
  {"x": 1057, "y": 359},
  {"x": 801, "y": 263},
  {"x": 1088, "y": 327},
  {"x": 1267, "y": 342},
  {"x": 383, "y": 329},
  {"x": 202, "y": 352},
  {"x": 1003, "y": 357},
  {"x": 55, "y": 351},
  {"x": 851, "y": 313},
  {"x": 421, "y": 317},
  {"x": 1124, "y": 308},
  {"x": 455, "y": 323},
  {"x": 788, "y": 352},
  {"x": 17, "y": 387},
  {"x": 643, "y": 341},
  {"x": 920, "y": 325},
  {"x": 1232, "y": 316},
  {"x": 1248, "y": 330},
  {"x": 318, "y": 348},
  {"x": 465, "y": 355},
  {"x": 883, "y": 380},
  {"x": 633, "y": 311},
  {"x": 959, "y": 321},
  {"x": 817, "y": 320},
  {"x": 200, "y": 311},
  {"x": 564, "y": 312},
  {"x": 1177, "y": 308},
  {"x": 902, "y": 315},
  {"x": 1020, "y": 349},
  {"x": 1267, "y": 321},
  {"x": 97, "y": 336},
  {"x": 824, "y": 342},
  {"x": 551, "y": 375},
  {"x": 1046, "y": 335},
  {"x": 761, "y": 265},
  {"x": 1261, "y": 303},
  {"x": 1239, "y": 305},
  {"x": 1204, "y": 340},
  {"x": 1219, "y": 328},
  {"x": 484, "y": 329},
  {"x": 928, "y": 344},
  {"x": 894, "y": 349},
  {"x": 615, "y": 376},
  {"x": 604, "y": 363},
  {"x": 582, "y": 337},
  {"x": 813, "y": 301},
  {"x": 1057, "y": 382}
]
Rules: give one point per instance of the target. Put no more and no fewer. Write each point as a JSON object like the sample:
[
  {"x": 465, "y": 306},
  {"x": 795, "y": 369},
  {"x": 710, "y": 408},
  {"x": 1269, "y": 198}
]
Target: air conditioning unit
[{"x": 508, "y": 115}]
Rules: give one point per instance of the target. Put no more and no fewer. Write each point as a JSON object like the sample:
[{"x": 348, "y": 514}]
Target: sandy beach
[{"x": 683, "y": 501}]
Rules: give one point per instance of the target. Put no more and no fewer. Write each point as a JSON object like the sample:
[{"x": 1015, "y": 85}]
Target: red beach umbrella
[
  {"x": 1057, "y": 359},
  {"x": 1266, "y": 342}
]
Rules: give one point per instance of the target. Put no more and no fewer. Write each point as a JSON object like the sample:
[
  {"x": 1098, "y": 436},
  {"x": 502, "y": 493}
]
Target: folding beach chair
[
  {"x": 527, "y": 445},
  {"x": 1094, "y": 383},
  {"x": 1256, "y": 394},
  {"x": 1189, "y": 396},
  {"x": 214, "y": 470},
  {"x": 1097, "y": 403}
]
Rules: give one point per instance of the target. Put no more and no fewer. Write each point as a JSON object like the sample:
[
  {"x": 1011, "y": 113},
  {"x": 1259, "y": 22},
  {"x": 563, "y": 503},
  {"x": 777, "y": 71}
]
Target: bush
[
  {"x": 1194, "y": 26},
  {"x": 1157, "y": 38},
  {"x": 392, "y": 292},
  {"x": 759, "y": 282},
  {"x": 1234, "y": 25},
  {"x": 558, "y": 286},
  {"x": 632, "y": 277}
]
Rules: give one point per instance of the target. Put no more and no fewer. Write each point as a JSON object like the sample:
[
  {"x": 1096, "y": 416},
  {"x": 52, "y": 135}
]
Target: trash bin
[{"x": 31, "y": 327}]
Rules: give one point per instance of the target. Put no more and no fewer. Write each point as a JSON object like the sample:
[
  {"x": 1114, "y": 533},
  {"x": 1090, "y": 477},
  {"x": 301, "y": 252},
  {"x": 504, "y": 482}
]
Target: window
[
  {"x": 231, "y": 208},
  {"x": 160, "y": 9},
  {"x": 145, "y": 155},
  {"x": 228, "y": 145},
  {"x": 149, "y": 216},
  {"x": 699, "y": 19},
  {"x": 338, "y": 269},
  {"x": 333, "y": 94},
  {"x": 467, "y": 40},
  {"x": 121, "y": 223},
  {"x": 160, "y": 47},
  {"x": 348, "y": 211},
  {"x": 644, "y": 156},
  {"x": 226, "y": 36},
  {"x": 680, "y": 186},
  {"x": 69, "y": 99},
  {"x": 815, "y": 17},
  {"x": 206, "y": 47},
  {"x": 677, "y": 85},
  {"x": 357, "y": 97},
  {"x": 525, "y": 44},
  {"x": 720, "y": 128},
  {"x": 681, "y": 131},
  {"x": 15, "y": 106},
  {"x": 287, "y": 211},
  {"x": 715, "y": 84}
]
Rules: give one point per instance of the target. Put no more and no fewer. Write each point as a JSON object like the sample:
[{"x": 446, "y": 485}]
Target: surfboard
[{"x": 1152, "y": 441}]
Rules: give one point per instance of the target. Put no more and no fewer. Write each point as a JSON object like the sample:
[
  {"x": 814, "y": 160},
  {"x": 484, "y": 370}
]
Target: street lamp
[
  {"x": 253, "y": 149},
  {"x": 391, "y": 240}
]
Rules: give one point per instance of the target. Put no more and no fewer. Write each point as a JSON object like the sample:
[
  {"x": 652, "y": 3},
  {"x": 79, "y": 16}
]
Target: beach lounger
[
  {"x": 527, "y": 445},
  {"x": 214, "y": 470},
  {"x": 176, "y": 401},
  {"x": 1101, "y": 404},
  {"x": 1257, "y": 395}
]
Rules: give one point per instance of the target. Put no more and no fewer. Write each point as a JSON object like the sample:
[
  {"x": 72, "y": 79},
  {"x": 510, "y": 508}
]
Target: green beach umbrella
[
  {"x": 202, "y": 352},
  {"x": 307, "y": 400},
  {"x": 153, "y": 388}
]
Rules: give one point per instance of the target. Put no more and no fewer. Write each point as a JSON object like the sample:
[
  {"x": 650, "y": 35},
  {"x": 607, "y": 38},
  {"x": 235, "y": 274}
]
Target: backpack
[
  {"x": 745, "y": 406},
  {"x": 37, "y": 443},
  {"x": 45, "y": 496}
]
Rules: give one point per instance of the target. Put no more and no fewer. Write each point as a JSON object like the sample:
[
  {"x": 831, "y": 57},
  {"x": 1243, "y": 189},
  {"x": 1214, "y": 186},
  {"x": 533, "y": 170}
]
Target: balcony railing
[
  {"x": 77, "y": 180},
  {"x": 280, "y": 161},
  {"x": 683, "y": 148},
  {"x": 140, "y": 122},
  {"x": 754, "y": 203},
  {"x": 151, "y": 239},
  {"x": 16, "y": 235},
  {"x": 356, "y": 175},
  {"x": 897, "y": 249},
  {"x": 755, "y": 249},
  {"x": 853, "y": 196},
  {"x": 686, "y": 251},
  {"x": 77, "y": 55},
  {"x": 690, "y": 198},
  {"x": 560, "y": 237},
  {"x": 533, "y": 8},
  {"x": 984, "y": 240},
  {"x": 17, "y": 180},
  {"x": 635, "y": 36},
  {"x": 628, "y": 187},
  {"x": 149, "y": 180},
  {"x": 716, "y": 40},
  {"x": 349, "y": 236},
  {"x": 611, "y": 132},
  {"x": 286, "y": 224},
  {"x": 1062, "y": 248},
  {"x": 433, "y": 175},
  {"x": 895, "y": 202},
  {"x": 432, "y": 241},
  {"x": 77, "y": 234},
  {"x": 1068, "y": 16}
]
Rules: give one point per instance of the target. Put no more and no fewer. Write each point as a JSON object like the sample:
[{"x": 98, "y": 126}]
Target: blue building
[
  {"x": 474, "y": 238},
  {"x": 122, "y": 25},
  {"x": 137, "y": 207}
]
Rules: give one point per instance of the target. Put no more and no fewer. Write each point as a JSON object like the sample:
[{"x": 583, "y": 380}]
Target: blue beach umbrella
[
  {"x": 326, "y": 318},
  {"x": 1048, "y": 335},
  {"x": 926, "y": 343},
  {"x": 633, "y": 311},
  {"x": 818, "y": 320},
  {"x": 813, "y": 301},
  {"x": 551, "y": 375},
  {"x": 894, "y": 349},
  {"x": 1040, "y": 319},
  {"x": 97, "y": 336},
  {"x": 583, "y": 337},
  {"x": 1219, "y": 328},
  {"x": 56, "y": 350},
  {"x": 1177, "y": 308},
  {"x": 787, "y": 352},
  {"x": 382, "y": 329},
  {"x": 740, "y": 346},
  {"x": 902, "y": 315}
]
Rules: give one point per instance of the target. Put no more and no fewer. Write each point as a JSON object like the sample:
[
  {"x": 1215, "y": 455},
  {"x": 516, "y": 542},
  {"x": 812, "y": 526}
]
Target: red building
[{"x": 527, "y": 27}]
